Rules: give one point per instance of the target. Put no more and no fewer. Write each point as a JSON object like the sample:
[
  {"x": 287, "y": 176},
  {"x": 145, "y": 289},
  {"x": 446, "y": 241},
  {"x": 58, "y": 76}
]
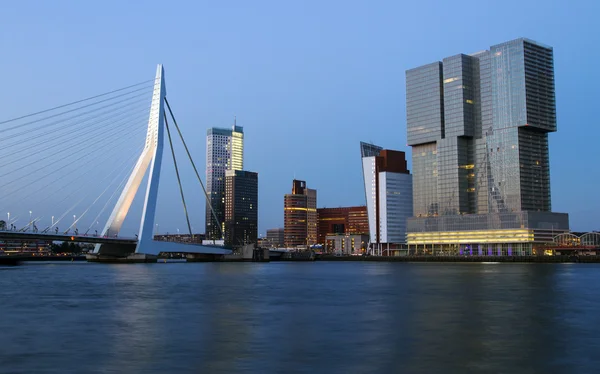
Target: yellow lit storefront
[{"x": 512, "y": 234}]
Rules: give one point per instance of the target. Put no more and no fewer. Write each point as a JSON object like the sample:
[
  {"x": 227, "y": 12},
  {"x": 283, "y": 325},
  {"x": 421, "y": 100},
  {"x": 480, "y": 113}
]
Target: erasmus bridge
[{"x": 86, "y": 159}]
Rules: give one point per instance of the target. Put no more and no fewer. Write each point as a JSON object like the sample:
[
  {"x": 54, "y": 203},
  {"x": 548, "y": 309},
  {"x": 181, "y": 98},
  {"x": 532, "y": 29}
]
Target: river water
[{"x": 320, "y": 317}]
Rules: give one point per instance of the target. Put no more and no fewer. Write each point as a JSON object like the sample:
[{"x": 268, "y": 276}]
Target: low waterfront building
[
  {"x": 263, "y": 243},
  {"x": 276, "y": 237},
  {"x": 25, "y": 246},
  {"x": 180, "y": 238},
  {"x": 346, "y": 243}
]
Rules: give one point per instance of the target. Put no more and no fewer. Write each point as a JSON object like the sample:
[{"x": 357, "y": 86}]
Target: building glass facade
[
  {"x": 395, "y": 206},
  {"x": 424, "y": 160},
  {"x": 224, "y": 151},
  {"x": 483, "y": 147}
]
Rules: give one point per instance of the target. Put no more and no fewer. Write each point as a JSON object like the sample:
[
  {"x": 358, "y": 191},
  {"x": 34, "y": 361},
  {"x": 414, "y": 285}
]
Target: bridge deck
[
  {"x": 15, "y": 235},
  {"x": 154, "y": 247}
]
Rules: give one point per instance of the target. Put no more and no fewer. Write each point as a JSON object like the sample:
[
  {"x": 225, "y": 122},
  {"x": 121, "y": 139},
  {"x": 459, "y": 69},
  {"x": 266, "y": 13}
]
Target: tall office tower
[
  {"x": 224, "y": 151},
  {"x": 241, "y": 207},
  {"x": 478, "y": 126},
  {"x": 389, "y": 191},
  {"x": 300, "y": 216}
]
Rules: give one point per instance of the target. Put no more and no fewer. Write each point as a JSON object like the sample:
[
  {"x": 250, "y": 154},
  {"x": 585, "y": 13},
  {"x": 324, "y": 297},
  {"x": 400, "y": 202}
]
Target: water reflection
[
  {"x": 300, "y": 318},
  {"x": 136, "y": 320}
]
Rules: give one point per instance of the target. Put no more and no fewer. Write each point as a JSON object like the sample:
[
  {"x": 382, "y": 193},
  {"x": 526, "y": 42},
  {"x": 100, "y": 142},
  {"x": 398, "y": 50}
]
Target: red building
[{"x": 348, "y": 220}]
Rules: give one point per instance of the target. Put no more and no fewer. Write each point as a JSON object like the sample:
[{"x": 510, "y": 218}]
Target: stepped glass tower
[{"x": 478, "y": 126}]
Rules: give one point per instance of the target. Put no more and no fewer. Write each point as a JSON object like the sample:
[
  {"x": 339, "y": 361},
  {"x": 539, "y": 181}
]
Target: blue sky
[{"x": 308, "y": 80}]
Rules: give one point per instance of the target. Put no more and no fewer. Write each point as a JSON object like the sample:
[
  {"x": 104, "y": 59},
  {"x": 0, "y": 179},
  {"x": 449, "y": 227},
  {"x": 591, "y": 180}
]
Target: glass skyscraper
[
  {"x": 478, "y": 126},
  {"x": 224, "y": 151}
]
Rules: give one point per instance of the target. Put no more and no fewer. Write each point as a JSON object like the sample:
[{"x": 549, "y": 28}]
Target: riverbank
[
  {"x": 415, "y": 258},
  {"x": 17, "y": 259},
  {"x": 306, "y": 257}
]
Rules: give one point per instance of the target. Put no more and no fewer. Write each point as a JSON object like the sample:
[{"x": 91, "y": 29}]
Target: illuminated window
[
  {"x": 449, "y": 80},
  {"x": 469, "y": 101}
]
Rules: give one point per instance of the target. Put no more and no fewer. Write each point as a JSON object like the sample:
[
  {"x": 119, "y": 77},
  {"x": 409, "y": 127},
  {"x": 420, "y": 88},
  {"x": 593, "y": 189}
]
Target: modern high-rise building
[
  {"x": 389, "y": 192},
  {"x": 478, "y": 126},
  {"x": 224, "y": 151},
  {"x": 241, "y": 207},
  {"x": 300, "y": 216},
  {"x": 345, "y": 220},
  {"x": 368, "y": 149}
]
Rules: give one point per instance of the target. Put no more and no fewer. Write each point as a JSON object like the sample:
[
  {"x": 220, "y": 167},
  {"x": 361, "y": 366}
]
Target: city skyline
[{"x": 367, "y": 107}]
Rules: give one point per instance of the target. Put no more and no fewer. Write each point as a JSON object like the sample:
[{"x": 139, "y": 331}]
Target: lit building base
[
  {"x": 499, "y": 234},
  {"x": 477, "y": 249}
]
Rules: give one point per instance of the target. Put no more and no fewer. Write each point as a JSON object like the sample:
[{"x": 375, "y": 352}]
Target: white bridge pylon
[{"x": 151, "y": 157}]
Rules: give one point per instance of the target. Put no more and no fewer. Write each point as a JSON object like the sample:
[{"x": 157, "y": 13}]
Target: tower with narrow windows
[{"x": 224, "y": 151}]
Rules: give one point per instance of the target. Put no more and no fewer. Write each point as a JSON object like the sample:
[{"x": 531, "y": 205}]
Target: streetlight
[
  {"x": 157, "y": 229},
  {"x": 8, "y": 222},
  {"x": 74, "y": 223},
  {"x": 30, "y": 218},
  {"x": 52, "y": 220}
]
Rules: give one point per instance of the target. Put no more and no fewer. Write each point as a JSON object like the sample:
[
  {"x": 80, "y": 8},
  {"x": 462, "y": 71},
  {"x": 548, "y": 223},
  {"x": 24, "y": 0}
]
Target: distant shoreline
[
  {"x": 16, "y": 260},
  {"x": 472, "y": 259}
]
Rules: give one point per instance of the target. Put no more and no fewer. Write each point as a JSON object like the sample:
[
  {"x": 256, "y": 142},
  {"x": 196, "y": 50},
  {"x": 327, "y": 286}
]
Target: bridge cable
[
  {"x": 79, "y": 150},
  {"x": 80, "y": 146},
  {"x": 115, "y": 145},
  {"x": 75, "y": 177},
  {"x": 118, "y": 189},
  {"x": 84, "y": 125},
  {"x": 195, "y": 169},
  {"x": 60, "y": 136},
  {"x": 99, "y": 196},
  {"x": 79, "y": 201},
  {"x": 68, "y": 125},
  {"x": 82, "y": 186},
  {"x": 77, "y": 102},
  {"x": 178, "y": 178},
  {"x": 44, "y": 126}
]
